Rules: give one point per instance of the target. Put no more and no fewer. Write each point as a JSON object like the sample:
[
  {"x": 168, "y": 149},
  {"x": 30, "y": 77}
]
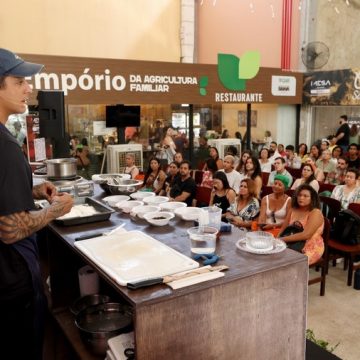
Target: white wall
[
  {"x": 120, "y": 29},
  {"x": 286, "y": 124}
]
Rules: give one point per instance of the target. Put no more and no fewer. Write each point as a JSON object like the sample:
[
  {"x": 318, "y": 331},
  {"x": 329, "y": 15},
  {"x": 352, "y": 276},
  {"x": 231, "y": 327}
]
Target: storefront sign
[
  {"x": 339, "y": 87},
  {"x": 109, "y": 81}
]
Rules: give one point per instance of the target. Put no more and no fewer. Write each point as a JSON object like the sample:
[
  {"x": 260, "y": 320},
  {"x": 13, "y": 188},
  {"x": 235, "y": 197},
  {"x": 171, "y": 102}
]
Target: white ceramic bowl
[
  {"x": 114, "y": 199},
  {"x": 188, "y": 213},
  {"x": 127, "y": 205},
  {"x": 141, "y": 210},
  {"x": 156, "y": 200},
  {"x": 159, "y": 218},
  {"x": 172, "y": 205},
  {"x": 141, "y": 195},
  {"x": 261, "y": 240}
]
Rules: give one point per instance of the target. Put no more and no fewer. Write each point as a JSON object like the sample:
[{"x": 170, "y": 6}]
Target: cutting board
[{"x": 134, "y": 256}]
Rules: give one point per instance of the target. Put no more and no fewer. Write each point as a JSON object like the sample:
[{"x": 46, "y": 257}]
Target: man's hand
[
  {"x": 46, "y": 190},
  {"x": 61, "y": 204}
]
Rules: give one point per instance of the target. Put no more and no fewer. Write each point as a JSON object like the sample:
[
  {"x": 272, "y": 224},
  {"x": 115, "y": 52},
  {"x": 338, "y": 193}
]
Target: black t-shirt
[
  {"x": 15, "y": 196},
  {"x": 180, "y": 186},
  {"x": 344, "y": 128},
  {"x": 354, "y": 163}
]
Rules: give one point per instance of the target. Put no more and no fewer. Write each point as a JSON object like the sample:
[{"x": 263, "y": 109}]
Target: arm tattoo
[{"x": 17, "y": 226}]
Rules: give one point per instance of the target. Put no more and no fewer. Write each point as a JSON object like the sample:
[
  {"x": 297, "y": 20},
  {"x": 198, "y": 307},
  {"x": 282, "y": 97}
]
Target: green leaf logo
[
  {"x": 204, "y": 82},
  {"x": 233, "y": 71}
]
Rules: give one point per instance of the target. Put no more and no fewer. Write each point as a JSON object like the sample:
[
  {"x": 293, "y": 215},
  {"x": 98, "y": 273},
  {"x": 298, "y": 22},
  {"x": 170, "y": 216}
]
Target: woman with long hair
[
  {"x": 302, "y": 152},
  {"x": 173, "y": 172},
  {"x": 318, "y": 173},
  {"x": 207, "y": 179},
  {"x": 244, "y": 156},
  {"x": 264, "y": 161},
  {"x": 214, "y": 154},
  {"x": 253, "y": 171},
  {"x": 307, "y": 177},
  {"x": 337, "y": 151},
  {"x": 350, "y": 191},
  {"x": 154, "y": 177},
  {"x": 246, "y": 209},
  {"x": 314, "y": 152},
  {"x": 275, "y": 206},
  {"x": 222, "y": 194},
  {"x": 305, "y": 211}
]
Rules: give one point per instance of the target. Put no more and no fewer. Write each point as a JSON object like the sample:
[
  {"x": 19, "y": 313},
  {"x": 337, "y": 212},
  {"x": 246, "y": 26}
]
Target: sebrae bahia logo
[{"x": 234, "y": 71}]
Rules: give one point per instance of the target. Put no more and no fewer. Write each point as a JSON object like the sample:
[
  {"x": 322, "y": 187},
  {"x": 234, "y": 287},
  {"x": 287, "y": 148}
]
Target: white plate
[
  {"x": 278, "y": 246},
  {"x": 113, "y": 200},
  {"x": 258, "y": 249}
]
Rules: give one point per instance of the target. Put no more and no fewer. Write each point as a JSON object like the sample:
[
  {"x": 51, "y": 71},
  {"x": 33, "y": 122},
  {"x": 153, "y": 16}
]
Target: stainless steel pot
[
  {"x": 99, "y": 323},
  {"x": 61, "y": 168}
]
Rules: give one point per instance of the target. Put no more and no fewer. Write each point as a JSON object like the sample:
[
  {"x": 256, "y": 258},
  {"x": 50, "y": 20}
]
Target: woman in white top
[
  {"x": 264, "y": 161},
  {"x": 275, "y": 206},
  {"x": 307, "y": 177},
  {"x": 350, "y": 192}
]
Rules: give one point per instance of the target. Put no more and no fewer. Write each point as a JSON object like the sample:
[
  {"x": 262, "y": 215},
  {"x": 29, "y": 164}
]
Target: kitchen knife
[
  {"x": 166, "y": 279},
  {"x": 90, "y": 236}
]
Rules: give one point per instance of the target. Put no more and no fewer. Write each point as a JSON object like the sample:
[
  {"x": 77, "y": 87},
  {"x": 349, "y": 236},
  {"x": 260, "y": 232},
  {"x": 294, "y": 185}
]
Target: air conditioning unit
[
  {"x": 116, "y": 154},
  {"x": 222, "y": 145}
]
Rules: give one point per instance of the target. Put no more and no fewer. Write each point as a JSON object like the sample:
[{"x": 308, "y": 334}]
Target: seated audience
[
  {"x": 214, "y": 154},
  {"x": 314, "y": 152},
  {"x": 275, "y": 206},
  {"x": 291, "y": 159},
  {"x": 307, "y": 177},
  {"x": 232, "y": 175},
  {"x": 222, "y": 195},
  {"x": 131, "y": 168},
  {"x": 350, "y": 191},
  {"x": 305, "y": 209},
  {"x": 354, "y": 160},
  {"x": 232, "y": 150},
  {"x": 241, "y": 166},
  {"x": 246, "y": 209},
  {"x": 184, "y": 186},
  {"x": 154, "y": 177},
  {"x": 318, "y": 173},
  {"x": 279, "y": 165},
  {"x": 325, "y": 143},
  {"x": 172, "y": 174},
  {"x": 274, "y": 151},
  {"x": 303, "y": 152},
  {"x": 281, "y": 150},
  {"x": 264, "y": 161},
  {"x": 336, "y": 152},
  {"x": 338, "y": 176},
  {"x": 253, "y": 171},
  {"x": 207, "y": 179},
  {"x": 324, "y": 163},
  {"x": 178, "y": 157}
]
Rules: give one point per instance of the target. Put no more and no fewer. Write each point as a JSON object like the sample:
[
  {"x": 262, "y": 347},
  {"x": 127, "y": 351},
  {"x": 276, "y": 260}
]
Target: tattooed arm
[{"x": 17, "y": 226}]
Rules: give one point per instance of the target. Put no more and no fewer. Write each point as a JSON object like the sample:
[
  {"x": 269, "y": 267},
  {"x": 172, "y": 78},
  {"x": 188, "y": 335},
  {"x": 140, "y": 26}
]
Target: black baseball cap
[{"x": 13, "y": 65}]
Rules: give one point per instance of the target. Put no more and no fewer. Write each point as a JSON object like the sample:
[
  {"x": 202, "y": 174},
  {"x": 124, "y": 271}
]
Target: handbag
[{"x": 291, "y": 229}]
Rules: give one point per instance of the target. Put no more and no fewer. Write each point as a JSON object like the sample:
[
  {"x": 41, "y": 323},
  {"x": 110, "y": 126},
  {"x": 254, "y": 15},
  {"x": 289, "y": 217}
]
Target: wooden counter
[{"x": 256, "y": 311}]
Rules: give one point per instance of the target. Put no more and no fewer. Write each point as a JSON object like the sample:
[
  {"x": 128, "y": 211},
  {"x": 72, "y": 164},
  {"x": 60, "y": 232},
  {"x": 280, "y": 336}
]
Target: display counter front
[{"x": 256, "y": 311}]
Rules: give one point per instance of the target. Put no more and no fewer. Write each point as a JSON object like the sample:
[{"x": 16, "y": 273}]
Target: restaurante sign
[{"x": 110, "y": 81}]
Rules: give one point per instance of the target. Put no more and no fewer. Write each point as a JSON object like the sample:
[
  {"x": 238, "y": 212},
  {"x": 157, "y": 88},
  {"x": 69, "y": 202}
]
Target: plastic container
[
  {"x": 260, "y": 240},
  {"x": 211, "y": 216},
  {"x": 203, "y": 239}
]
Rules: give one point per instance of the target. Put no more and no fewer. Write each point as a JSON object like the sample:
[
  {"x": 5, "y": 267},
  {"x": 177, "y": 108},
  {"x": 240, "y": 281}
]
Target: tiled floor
[{"x": 335, "y": 317}]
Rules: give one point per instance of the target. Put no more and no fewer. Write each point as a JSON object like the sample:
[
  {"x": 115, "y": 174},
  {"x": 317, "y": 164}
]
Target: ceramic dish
[
  {"x": 278, "y": 246},
  {"x": 127, "y": 205},
  {"x": 159, "y": 218},
  {"x": 155, "y": 200},
  {"x": 188, "y": 213},
  {"x": 141, "y": 195},
  {"x": 141, "y": 210},
  {"x": 114, "y": 199},
  {"x": 172, "y": 205}
]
